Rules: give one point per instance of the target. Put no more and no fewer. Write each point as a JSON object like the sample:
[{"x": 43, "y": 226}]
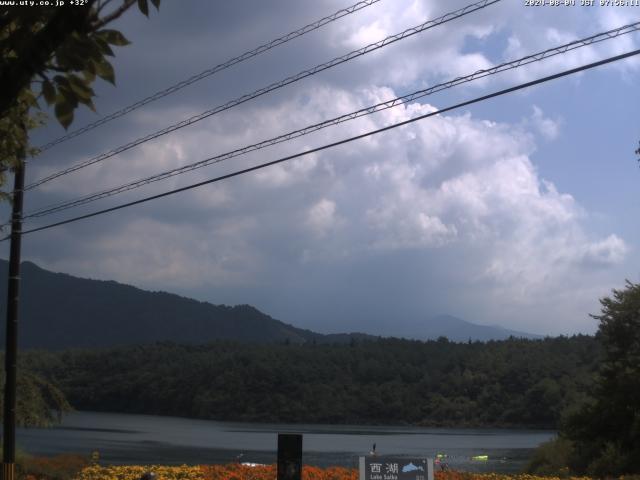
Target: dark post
[
  {"x": 11, "y": 349},
  {"x": 289, "y": 456}
]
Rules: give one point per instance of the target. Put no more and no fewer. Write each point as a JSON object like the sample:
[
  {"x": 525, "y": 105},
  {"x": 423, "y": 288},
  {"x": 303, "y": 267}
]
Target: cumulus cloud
[
  {"x": 452, "y": 183},
  {"x": 454, "y": 203},
  {"x": 512, "y": 30},
  {"x": 321, "y": 217},
  {"x": 602, "y": 254},
  {"x": 547, "y": 127}
]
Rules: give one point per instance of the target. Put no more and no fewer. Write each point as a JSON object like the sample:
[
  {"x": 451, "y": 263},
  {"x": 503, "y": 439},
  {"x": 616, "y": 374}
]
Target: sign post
[
  {"x": 289, "y": 456},
  {"x": 395, "y": 468}
]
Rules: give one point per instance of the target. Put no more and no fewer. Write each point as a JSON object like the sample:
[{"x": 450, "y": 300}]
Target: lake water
[{"x": 147, "y": 439}]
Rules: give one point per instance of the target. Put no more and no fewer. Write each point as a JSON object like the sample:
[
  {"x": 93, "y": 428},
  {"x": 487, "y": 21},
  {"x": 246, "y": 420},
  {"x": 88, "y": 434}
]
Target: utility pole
[{"x": 11, "y": 348}]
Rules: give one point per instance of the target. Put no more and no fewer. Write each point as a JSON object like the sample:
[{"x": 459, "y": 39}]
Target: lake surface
[{"x": 147, "y": 439}]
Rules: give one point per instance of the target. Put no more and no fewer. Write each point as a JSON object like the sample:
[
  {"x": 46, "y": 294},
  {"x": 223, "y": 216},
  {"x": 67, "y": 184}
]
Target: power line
[
  {"x": 274, "y": 86},
  {"x": 340, "y": 142},
  {"x": 211, "y": 71},
  {"x": 614, "y": 33}
]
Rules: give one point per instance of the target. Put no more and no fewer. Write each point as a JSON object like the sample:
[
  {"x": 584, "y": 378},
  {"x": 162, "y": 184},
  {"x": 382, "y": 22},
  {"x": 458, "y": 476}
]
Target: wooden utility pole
[{"x": 11, "y": 349}]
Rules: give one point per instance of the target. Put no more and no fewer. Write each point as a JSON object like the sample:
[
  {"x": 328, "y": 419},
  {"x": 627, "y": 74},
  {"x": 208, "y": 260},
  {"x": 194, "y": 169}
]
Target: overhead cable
[
  {"x": 614, "y": 33},
  {"x": 211, "y": 71},
  {"x": 274, "y": 86},
  {"x": 340, "y": 142}
]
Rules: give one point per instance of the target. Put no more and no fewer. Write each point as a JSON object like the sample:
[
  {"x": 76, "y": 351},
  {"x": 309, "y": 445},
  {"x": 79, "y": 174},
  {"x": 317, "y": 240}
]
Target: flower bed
[
  {"x": 210, "y": 472},
  {"x": 268, "y": 472},
  {"x": 134, "y": 472}
]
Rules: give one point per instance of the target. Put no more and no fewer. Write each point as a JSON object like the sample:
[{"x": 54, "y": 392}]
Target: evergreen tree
[{"x": 606, "y": 432}]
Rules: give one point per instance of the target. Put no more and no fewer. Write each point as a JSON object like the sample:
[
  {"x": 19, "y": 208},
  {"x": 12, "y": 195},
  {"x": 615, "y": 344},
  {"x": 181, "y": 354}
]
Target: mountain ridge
[{"x": 90, "y": 313}]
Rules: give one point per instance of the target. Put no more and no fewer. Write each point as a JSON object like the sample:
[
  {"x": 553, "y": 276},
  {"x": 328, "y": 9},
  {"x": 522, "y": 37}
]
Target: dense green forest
[
  {"x": 515, "y": 382},
  {"x": 600, "y": 437}
]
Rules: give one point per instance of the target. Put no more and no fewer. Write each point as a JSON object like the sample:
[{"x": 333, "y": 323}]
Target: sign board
[
  {"x": 395, "y": 468},
  {"x": 289, "y": 456}
]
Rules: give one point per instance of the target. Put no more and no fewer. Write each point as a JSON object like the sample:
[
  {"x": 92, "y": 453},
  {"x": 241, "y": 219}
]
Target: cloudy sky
[{"x": 520, "y": 211}]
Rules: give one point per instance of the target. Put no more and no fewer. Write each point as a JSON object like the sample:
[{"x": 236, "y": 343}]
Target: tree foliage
[
  {"x": 39, "y": 403},
  {"x": 50, "y": 57},
  {"x": 550, "y": 458},
  {"x": 389, "y": 381},
  {"x": 606, "y": 431}
]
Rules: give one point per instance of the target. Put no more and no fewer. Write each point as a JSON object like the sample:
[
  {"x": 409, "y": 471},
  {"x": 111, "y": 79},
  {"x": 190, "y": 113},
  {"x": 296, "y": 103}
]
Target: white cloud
[
  {"x": 547, "y": 127},
  {"x": 456, "y": 186},
  {"x": 440, "y": 53},
  {"x": 366, "y": 35},
  {"x": 450, "y": 183},
  {"x": 321, "y": 217},
  {"x": 607, "y": 252}
]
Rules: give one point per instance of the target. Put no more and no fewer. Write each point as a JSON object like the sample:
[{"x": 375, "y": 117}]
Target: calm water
[{"x": 140, "y": 439}]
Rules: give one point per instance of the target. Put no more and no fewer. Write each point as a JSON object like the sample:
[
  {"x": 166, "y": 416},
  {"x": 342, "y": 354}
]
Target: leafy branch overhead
[
  {"x": 57, "y": 53},
  {"x": 82, "y": 58},
  {"x": 50, "y": 56}
]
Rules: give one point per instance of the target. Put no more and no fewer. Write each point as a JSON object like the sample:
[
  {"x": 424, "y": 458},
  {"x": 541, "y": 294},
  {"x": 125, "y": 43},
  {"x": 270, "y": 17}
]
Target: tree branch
[
  {"x": 126, "y": 4},
  {"x": 102, "y": 5},
  {"x": 33, "y": 54}
]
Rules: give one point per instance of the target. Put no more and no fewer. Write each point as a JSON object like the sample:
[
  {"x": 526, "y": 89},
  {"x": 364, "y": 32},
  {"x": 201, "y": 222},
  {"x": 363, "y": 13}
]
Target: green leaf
[
  {"x": 156, "y": 3},
  {"x": 69, "y": 58},
  {"x": 92, "y": 48},
  {"x": 76, "y": 80},
  {"x": 30, "y": 99},
  {"x": 102, "y": 46},
  {"x": 64, "y": 113},
  {"x": 143, "y": 5},
  {"x": 89, "y": 103},
  {"x": 113, "y": 37},
  {"x": 90, "y": 69},
  {"x": 105, "y": 71},
  {"x": 49, "y": 92},
  {"x": 80, "y": 87},
  {"x": 90, "y": 73},
  {"x": 61, "y": 81},
  {"x": 66, "y": 94}
]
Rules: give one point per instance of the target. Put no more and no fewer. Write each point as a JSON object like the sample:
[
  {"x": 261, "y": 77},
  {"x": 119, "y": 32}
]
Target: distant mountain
[
  {"x": 62, "y": 311},
  {"x": 458, "y": 330}
]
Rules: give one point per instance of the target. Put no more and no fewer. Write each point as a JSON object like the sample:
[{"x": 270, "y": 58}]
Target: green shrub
[{"x": 551, "y": 458}]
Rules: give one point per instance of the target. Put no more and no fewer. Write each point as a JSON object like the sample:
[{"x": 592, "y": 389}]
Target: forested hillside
[
  {"x": 501, "y": 383},
  {"x": 96, "y": 313}
]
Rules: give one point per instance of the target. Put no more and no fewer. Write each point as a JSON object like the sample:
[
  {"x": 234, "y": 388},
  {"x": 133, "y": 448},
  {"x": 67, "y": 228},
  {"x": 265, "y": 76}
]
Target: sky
[{"x": 520, "y": 211}]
